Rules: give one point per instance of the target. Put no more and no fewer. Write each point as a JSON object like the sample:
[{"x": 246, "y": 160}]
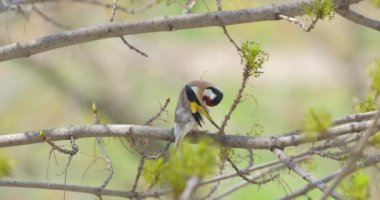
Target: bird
[{"x": 192, "y": 105}]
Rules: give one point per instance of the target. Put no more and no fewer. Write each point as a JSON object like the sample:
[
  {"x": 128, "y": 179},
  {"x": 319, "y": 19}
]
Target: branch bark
[
  {"x": 138, "y": 131},
  {"x": 158, "y": 24},
  {"x": 359, "y": 19},
  {"x": 77, "y": 188},
  {"x": 303, "y": 173}
]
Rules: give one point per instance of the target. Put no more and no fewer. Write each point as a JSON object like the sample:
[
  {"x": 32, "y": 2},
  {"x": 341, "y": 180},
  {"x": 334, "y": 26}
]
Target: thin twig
[
  {"x": 191, "y": 185},
  {"x": 158, "y": 114},
  {"x": 143, "y": 153},
  {"x": 257, "y": 175},
  {"x": 49, "y": 19},
  {"x": 295, "y": 21},
  {"x": 100, "y": 144},
  {"x": 189, "y": 4},
  {"x": 243, "y": 175},
  {"x": 114, "y": 6},
  {"x": 81, "y": 189},
  {"x": 107, "y": 160},
  {"x": 132, "y": 47},
  {"x": 139, "y": 172}
]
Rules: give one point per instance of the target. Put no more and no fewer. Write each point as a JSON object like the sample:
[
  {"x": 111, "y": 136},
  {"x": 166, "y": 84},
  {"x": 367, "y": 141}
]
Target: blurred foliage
[
  {"x": 372, "y": 101},
  {"x": 316, "y": 121},
  {"x": 357, "y": 187},
  {"x": 365, "y": 105},
  {"x": 253, "y": 57},
  {"x": 375, "y": 2},
  {"x": 374, "y": 74},
  {"x": 375, "y": 140},
  {"x": 152, "y": 170},
  {"x": 187, "y": 161},
  {"x": 320, "y": 9},
  {"x": 256, "y": 130},
  {"x": 5, "y": 165}
]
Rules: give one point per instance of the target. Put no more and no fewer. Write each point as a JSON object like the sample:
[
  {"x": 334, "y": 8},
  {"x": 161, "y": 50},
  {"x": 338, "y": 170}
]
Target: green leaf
[
  {"x": 190, "y": 160},
  {"x": 366, "y": 105},
  {"x": 374, "y": 73},
  {"x": 253, "y": 58},
  {"x": 375, "y": 140},
  {"x": 94, "y": 107},
  {"x": 320, "y": 9},
  {"x": 152, "y": 171},
  {"x": 42, "y": 133},
  {"x": 358, "y": 186},
  {"x": 5, "y": 166}
]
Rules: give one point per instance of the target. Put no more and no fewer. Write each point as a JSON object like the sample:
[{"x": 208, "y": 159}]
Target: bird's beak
[{"x": 205, "y": 113}]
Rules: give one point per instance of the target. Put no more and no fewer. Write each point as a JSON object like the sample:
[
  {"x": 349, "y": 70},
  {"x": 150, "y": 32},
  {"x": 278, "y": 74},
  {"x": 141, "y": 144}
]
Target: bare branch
[
  {"x": 107, "y": 160},
  {"x": 191, "y": 185},
  {"x": 133, "y": 47},
  {"x": 77, "y": 188},
  {"x": 257, "y": 175},
  {"x": 302, "y": 173},
  {"x": 359, "y": 19},
  {"x": 243, "y": 175},
  {"x": 169, "y": 23},
  {"x": 100, "y": 144},
  {"x": 158, "y": 114},
  {"x": 189, "y": 4},
  {"x": 295, "y": 21},
  {"x": 114, "y": 6},
  {"x": 49, "y": 19},
  {"x": 302, "y": 191},
  {"x": 139, "y": 172},
  {"x": 138, "y": 131},
  {"x": 355, "y": 156}
]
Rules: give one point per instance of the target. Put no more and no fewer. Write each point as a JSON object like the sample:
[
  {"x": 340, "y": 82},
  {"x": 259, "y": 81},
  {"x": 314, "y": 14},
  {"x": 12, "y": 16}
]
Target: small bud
[{"x": 94, "y": 108}]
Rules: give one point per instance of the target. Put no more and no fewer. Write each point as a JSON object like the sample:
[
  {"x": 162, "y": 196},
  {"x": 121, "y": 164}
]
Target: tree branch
[
  {"x": 138, "y": 131},
  {"x": 302, "y": 191},
  {"x": 355, "y": 155},
  {"x": 77, "y": 188},
  {"x": 303, "y": 173},
  {"x": 168, "y": 23},
  {"x": 359, "y": 19}
]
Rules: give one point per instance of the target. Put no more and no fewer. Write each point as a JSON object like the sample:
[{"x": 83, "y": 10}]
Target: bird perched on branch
[{"x": 192, "y": 106}]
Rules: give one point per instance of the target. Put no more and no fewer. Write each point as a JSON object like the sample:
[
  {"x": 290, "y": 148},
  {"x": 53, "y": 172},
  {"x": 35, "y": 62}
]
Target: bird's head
[{"x": 205, "y": 92}]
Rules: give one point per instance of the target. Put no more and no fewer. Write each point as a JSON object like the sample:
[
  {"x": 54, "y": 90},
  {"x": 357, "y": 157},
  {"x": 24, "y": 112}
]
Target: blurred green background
[{"x": 321, "y": 69}]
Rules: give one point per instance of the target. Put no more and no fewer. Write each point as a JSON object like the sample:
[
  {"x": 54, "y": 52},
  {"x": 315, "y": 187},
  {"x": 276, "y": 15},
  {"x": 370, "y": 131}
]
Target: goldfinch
[{"x": 192, "y": 105}]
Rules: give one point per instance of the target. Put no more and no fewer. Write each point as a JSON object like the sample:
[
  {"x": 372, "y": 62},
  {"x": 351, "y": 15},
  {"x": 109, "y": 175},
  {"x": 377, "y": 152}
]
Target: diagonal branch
[
  {"x": 359, "y": 19},
  {"x": 302, "y": 191},
  {"x": 303, "y": 173},
  {"x": 355, "y": 155},
  {"x": 158, "y": 24}
]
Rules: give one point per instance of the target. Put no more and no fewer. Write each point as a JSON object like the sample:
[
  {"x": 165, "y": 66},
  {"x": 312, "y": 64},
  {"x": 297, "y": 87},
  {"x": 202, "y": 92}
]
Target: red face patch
[{"x": 208, "y": 101}]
